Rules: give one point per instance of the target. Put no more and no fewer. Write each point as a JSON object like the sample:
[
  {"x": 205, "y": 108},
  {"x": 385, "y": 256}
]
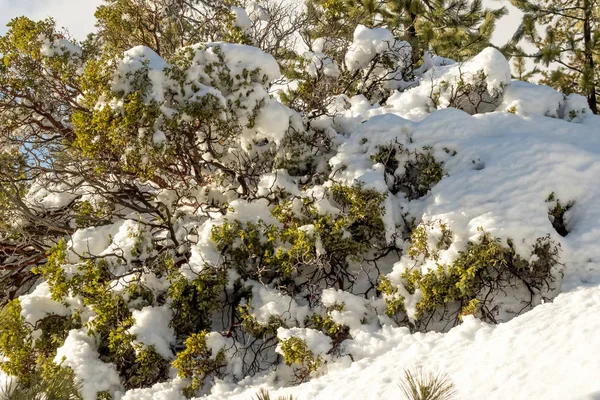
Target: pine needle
[{"x": 427, "y": 386}]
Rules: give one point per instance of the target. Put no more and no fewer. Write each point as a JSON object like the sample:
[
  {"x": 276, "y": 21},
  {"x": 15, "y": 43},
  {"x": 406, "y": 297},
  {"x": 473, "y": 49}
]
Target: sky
[
  {"x": 75, "y": 15},
  {"x": 78, "y": 15}
]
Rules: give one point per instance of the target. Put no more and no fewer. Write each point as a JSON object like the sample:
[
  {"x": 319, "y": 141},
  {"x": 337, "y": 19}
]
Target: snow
[
  {"x": 80, "y": 353},
  {"x": 354, "y": 307},
  {"x": 215, "y": 343},
  {"x": 273, "y": 120},
  {"x": 242, "y": 20},
  {"x": 36, "y": 305},
  {"x": 140, "y": 58},
  {"x": 319, "y": 62},
  {"x": 368, "y": 43},
  {"x": 160, "y": 391},
  {"x": 389, "y": 57},
  {"x": 442, "y": 82},
  {"x": 150, "y": 329},
  {"x": 576, "y": 108},
  {"x": 47, "y": 195},
  {"x": 547, "y": 353},
  {"x": 268, "y": 303},
  {"x": 59, "y": 47},
  {"x": 523, "y": 98},
  {"x": 256, "y": 12}
]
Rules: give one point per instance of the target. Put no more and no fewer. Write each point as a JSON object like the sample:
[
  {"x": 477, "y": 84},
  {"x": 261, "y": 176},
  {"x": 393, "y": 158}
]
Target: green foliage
[
  {"x": 30, "y": 360},
  {"x": 472, "y": 308},
  {"x": 268, "y": 252},
  {"x": 264, "y": 395},
  {"x": 394, "y": 302},
  {"x": 53, "y": 382},
  {"x": 53, "y": 271},
  {"x": 457, "y": 29},
  {"x": 419, "y": 238},
  {"x": 88, "y": 214},
  {"x": 197, "y": 362},
  {"x": 427, "y": 386},
  {"x": 479, "y": 272},
  {"x": 194, "y": 301},
  {"x": 556, "y": 214},
  {"x": 420, "y": 172},
  {"x": 296, "y": 352},
  {"x": 16, "y": 343}
]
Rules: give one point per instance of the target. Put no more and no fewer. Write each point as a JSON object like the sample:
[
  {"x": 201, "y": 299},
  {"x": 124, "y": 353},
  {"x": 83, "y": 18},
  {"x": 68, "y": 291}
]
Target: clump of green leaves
[
  {"x": 197, "y": 362},
  {"x": 296, "y": 352},
  {"x": 556, "y": 213},
  {"x": 194, "y": 301},
  {"x": 50, "y": 382},
  {"x": 31, "y": 360},
  {"x": 420, "y": 245},
  {"x": 482, "y": 270},
  {"x": 394, "y": 302},
  {"x": 420, "y": 172}
]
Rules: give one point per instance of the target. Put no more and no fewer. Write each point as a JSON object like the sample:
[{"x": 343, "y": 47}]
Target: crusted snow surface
[{"x": 550, "y": 352}]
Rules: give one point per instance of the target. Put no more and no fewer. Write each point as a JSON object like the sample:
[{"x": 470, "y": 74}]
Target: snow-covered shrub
[
  {"x": 486, "y": 279},
  {"x": 556, "y": 213},
  {"x": 474, "y": 86},
  {"x": 198, "y": 361},
  {"x": 180, "y": 220}
]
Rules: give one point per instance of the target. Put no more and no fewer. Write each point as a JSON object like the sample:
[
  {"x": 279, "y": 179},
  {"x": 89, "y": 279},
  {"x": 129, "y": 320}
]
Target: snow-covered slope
[{"x": 548, "y": 353}]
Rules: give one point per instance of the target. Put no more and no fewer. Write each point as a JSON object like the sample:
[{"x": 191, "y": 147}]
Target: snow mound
[
  {"x": 80, "y": 353},
  {"x": 474, "y": 86},
  {"x": 523, "y": 98}
]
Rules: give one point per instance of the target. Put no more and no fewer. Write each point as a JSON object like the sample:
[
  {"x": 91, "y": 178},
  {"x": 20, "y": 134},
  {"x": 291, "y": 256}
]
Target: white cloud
[{"x": 75, "y": 15}]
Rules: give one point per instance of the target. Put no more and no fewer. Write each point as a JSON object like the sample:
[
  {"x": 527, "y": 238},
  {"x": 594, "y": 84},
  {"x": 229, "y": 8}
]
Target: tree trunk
[
  {"x": 411, "y": 37},
  {"x": 589, "y": 58}
]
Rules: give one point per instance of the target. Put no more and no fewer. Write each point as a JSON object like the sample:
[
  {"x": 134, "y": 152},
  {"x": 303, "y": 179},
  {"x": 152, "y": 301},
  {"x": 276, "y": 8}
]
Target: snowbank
[{"x": 548, "y": 353}]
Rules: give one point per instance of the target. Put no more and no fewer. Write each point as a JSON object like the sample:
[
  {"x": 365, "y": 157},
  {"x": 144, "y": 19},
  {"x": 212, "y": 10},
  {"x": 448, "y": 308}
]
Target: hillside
[{"x": 203, "y": 219}]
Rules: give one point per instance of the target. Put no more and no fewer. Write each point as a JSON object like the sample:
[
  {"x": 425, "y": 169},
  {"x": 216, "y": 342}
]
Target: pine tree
[
  {"x": 457, "y": 29},
  {"x": 569, "y": 49}
]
